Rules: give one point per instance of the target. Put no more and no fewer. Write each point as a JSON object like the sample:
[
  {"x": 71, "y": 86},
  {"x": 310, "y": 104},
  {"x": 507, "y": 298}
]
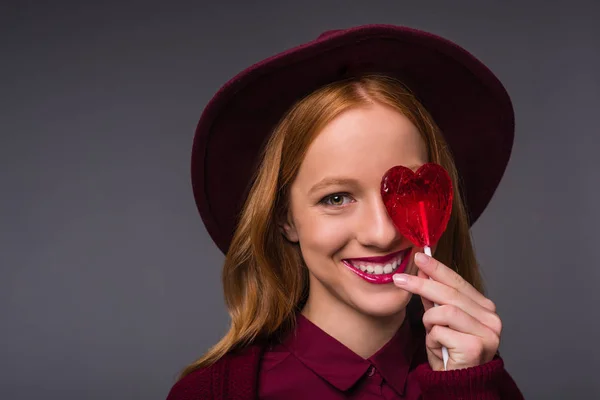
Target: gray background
[{"x": 109, "y": 283}]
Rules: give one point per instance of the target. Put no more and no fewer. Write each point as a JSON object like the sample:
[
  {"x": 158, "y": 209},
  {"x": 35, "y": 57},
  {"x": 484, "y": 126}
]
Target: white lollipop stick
[{"x": 445, "y": 356}]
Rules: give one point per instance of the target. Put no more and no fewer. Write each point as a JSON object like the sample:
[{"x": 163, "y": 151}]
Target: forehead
[{"x": 363, "y": 143}]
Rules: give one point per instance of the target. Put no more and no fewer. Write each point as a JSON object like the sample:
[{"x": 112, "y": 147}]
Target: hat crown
[{"x": 329, "y": 33}]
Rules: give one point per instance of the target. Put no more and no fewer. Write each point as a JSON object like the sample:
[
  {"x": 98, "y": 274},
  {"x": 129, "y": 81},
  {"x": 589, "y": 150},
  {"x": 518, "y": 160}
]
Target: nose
[{"x": 375, "y": 227}]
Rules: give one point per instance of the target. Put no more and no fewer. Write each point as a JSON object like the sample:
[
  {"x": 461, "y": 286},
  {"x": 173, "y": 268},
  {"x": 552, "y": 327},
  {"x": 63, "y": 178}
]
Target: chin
[{"x": 385, "y": 307}]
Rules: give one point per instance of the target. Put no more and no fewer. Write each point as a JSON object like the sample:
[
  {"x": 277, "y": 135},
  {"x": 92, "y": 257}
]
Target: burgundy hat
[{"x": 466, "y": 100}]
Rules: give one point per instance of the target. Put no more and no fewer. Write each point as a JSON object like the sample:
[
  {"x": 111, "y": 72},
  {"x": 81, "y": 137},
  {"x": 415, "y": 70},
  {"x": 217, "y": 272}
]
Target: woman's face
[{"x": 337, "y": 215}]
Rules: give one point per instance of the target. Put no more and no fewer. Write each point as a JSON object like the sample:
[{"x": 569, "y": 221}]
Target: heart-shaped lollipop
[{"x": 419, "y": 203}]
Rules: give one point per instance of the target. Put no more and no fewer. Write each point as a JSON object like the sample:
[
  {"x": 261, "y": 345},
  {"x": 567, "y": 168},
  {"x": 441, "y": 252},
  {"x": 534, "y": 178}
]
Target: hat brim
[{"x": 465, "y": 98}]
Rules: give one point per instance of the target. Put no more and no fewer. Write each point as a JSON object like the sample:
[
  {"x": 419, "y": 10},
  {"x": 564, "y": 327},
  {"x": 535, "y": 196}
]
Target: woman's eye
[{"x": 336, "y": 199}]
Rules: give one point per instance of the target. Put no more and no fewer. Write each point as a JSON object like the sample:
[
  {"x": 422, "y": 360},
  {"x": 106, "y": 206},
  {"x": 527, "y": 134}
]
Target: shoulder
[
  {"x": 212, "y": 381},
  {"x": 196, "y": 385},
  {"x": 273, "y": 356}
]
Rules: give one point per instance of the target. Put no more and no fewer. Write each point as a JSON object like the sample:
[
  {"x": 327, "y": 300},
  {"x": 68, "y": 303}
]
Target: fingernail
[
  {"x": 400, "y": 279},
  {"x": 421, "y": 258}
]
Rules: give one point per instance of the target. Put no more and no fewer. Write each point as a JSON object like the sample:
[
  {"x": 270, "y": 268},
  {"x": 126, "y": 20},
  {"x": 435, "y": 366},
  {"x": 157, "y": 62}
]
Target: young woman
[{"x": 327, "y": 299}]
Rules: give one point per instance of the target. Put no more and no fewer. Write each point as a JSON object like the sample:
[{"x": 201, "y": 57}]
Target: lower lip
[{"x": 381, "y": 278}]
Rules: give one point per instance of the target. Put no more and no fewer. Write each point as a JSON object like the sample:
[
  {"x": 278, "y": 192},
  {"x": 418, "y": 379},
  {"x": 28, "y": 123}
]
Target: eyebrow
[{"x": 339, "y": 181}]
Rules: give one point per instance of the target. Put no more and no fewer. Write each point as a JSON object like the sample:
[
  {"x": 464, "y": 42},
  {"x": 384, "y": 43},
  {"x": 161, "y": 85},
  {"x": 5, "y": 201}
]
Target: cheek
[{"x": 324, "y": 234}]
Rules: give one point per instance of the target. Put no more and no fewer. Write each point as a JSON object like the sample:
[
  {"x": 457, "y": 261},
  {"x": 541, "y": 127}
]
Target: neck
[{"x": 351, "y": 327}]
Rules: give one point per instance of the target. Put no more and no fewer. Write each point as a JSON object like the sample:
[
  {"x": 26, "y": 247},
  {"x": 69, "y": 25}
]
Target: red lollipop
[{"x": 419, "y": 203}]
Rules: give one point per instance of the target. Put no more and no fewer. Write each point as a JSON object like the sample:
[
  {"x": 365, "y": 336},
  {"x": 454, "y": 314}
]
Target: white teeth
[{"x": 378, "y": 269}]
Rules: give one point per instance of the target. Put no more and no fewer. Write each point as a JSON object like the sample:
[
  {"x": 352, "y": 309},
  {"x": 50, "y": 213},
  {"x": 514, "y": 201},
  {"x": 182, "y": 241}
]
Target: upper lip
[{"x": 379, "y": 259}]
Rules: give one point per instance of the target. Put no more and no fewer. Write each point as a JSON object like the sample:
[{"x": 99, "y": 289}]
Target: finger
[
  {"x": 441, "y": 273},
  {"x": 456, "y": 319},
  {"x": 462, "y": 348},
  {"x": 442, "y": 336},
  {"x": 439, "y": 293},
  {"x": 427, "y": 304}
]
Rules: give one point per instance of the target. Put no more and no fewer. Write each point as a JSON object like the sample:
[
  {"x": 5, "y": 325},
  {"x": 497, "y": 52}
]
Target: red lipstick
[
  {"x": 380, "y": 259},
  {"x": 379, "y": 278}
]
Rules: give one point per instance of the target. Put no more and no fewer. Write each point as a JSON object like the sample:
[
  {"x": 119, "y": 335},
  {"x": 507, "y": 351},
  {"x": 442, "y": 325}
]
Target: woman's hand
[{"x": 465, "y": 321}]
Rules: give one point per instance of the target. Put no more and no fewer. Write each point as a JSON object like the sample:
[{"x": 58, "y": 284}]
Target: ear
[{"x": 288, "y": 229}]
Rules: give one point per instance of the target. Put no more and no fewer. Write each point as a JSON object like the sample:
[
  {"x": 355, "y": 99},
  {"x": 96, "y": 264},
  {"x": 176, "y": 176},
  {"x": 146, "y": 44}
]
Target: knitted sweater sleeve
[{"x": 489, "y": 381}]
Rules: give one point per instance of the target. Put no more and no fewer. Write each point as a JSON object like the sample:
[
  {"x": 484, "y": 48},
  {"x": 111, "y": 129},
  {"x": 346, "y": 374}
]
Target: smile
[{"x": 379, "y": 269}]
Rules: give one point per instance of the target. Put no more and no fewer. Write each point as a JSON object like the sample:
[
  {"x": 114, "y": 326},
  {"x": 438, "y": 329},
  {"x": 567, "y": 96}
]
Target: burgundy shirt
[{"x": 312, "y": 363}]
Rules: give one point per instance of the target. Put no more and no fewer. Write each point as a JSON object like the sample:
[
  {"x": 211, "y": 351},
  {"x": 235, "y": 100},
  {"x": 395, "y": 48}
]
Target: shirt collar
[
  {"x": 340, "y": 366},
  {"x": 393, "y": 360}
]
